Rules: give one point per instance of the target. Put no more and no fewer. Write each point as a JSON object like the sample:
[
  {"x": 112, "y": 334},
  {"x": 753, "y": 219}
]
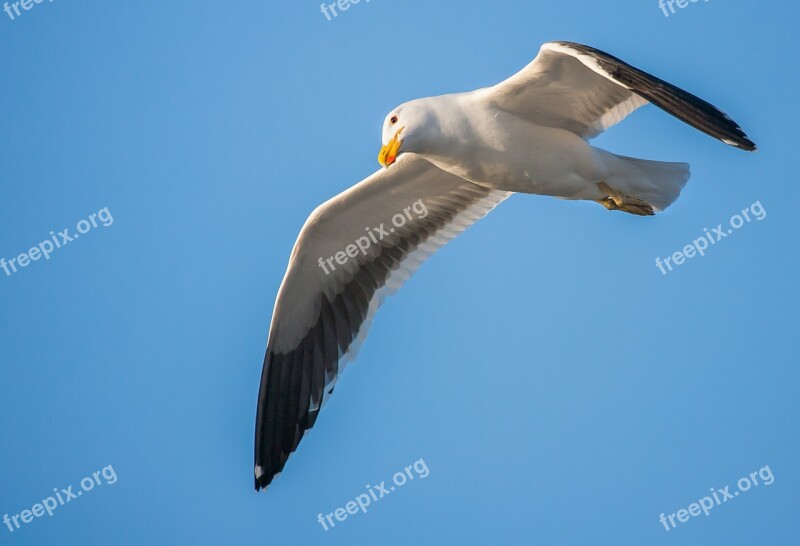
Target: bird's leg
[{"x": 619, "y": 201}]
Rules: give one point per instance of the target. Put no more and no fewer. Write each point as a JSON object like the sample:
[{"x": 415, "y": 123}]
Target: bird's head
[{"x": 404, "y": 130}]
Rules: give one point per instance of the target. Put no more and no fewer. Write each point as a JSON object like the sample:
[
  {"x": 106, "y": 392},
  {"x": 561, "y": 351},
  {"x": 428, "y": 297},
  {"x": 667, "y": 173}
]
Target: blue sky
[{"x": 559, "y": 388}]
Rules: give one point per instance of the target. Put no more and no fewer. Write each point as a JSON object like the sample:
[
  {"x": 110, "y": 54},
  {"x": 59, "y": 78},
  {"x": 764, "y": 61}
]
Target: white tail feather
[{"x": 658, "y": 183}]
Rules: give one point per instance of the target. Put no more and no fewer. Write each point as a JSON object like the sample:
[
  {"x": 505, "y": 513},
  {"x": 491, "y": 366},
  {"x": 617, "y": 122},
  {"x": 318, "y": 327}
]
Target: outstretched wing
[
  {"x": 352, "y": 251},
  {"x": 586, "y": 91}
]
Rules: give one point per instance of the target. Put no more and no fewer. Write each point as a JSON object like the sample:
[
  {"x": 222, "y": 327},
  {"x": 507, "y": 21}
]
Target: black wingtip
[
  {"x": 685, "y": 106},
  {"x": 266, "y": 470},
  {"x": 738, "y": 138},
  {"x": 743, "y": 143},
  {"x": 263, "y": 481}
]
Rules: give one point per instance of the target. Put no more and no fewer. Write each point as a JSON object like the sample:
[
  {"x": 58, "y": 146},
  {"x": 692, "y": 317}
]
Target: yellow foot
[{"x": 619, "y": 201}]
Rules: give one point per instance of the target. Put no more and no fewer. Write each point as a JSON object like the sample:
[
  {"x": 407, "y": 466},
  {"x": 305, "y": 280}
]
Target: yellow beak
[{"x": 388, "y": 153}]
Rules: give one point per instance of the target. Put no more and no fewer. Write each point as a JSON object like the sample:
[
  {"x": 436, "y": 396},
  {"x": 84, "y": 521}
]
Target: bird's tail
[{"x": 655, "y": 182}]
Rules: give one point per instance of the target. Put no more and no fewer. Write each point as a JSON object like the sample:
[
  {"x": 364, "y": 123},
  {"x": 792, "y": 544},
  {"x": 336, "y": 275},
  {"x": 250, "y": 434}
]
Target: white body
[{"x": 499, "y": 150}]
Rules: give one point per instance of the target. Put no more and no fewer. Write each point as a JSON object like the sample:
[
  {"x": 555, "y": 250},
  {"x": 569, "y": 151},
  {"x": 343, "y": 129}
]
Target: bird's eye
[{"x": 393, "y": 120}]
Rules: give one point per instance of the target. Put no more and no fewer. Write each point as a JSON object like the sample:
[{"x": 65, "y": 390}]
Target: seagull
[{"x": 447, "y": 161}]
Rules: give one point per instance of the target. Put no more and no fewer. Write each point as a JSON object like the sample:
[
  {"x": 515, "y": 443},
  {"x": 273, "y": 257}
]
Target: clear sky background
[{"x": 560, "y": 389}]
